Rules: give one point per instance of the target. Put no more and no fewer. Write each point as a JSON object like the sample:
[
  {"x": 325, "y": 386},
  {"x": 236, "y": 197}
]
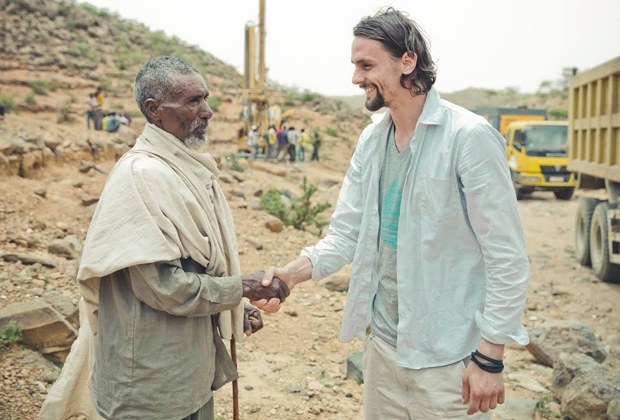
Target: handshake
[{"x": 266, "y": 292}]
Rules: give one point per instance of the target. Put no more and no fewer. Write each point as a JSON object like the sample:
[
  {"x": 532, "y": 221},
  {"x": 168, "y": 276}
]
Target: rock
[
  {"x": 315, "y": 386},
  {"x": 238, "y": 177},
  {"x": 336, "y": 282},
  {"x": 286, "y": 201},
  {"x": 41, "y": 192},
  {"x": 293, "y": 389},
  {"x": 354, "y": 366},
  {"x": 238, "y": 193},
  {"x": 527, "y": 382},
  {"x": 274, "y": 224},
  {"x": 256, "y": 205},
  {"x": 42, "y": 327},
  {"x": 327, "y": 183},
  {"x": 65, "y": 307},
  {"x": 226, "y": 178},
  {"x": 127, "y": 135},
  {"x": 74, "y": 242},
  {"x": 28, "y": 259},
  {"x": 515, "y": 409},
  {"x": 550, "y": 339},
  {"x": 258, "y": 193},
  {"x": 254, "y": 242},
  {"x": 567, "y": 366},
  {"x": 248, "y": 388},
  {"x": 613, "y": 410},
  {"x": 587, "y": 396},
  {"x": 52, "y": 372},
  {"x": 85, "y": 166},
  {"x": 62, "y": 248},
  {"x": 88, "y": 200}
]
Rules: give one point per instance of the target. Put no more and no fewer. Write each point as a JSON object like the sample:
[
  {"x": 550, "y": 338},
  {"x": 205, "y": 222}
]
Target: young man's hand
[{"x": 483, "y": 390}]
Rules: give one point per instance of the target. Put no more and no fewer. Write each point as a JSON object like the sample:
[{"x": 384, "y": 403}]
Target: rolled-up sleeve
[
  {"x": 493, "y": 213},
  {"x": 167, "y": 287},
  {"x": 338, "y": 247}
]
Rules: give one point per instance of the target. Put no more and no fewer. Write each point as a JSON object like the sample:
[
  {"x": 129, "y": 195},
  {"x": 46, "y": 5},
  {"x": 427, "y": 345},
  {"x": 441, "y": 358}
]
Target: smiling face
[
  {"x": 377, "y": 71},
  {"x": 186, "y": 113}
]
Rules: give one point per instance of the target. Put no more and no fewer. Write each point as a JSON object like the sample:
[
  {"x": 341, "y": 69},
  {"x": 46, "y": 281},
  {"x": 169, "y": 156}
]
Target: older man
[{"x": 160, "y": 269}]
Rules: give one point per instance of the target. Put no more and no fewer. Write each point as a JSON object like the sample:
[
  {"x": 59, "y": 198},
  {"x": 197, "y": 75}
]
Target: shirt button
[{"x": 374, "y": 212}]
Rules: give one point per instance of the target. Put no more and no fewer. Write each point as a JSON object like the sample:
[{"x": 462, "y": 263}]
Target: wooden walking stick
[{"x": 235, "y": 385}]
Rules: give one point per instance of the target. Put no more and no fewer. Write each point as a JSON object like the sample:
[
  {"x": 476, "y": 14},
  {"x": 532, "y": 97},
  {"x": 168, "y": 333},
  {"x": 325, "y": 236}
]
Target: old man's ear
[{"x": 153, "y": 108}]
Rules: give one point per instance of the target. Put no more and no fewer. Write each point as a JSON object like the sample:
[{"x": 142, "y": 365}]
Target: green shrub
[
  {"x": 8, "y": 102},
  {"x": 30, "y": 98},
  {"x": 214, "y": 102},
  {"x": 102, "y": 13},
  {"x": 308, "y": 96},
  {"x": 81, "y": 49},
  {"x": 41, "y": 86},
  {"x": 558, "y": 114},
  {"x": 11, "y": 334},
  {"x": 65, "y": 112},
  {"x": 106, "y": 84},
  {"x": 302, "y": 212},
  {"x": 331, "y": 131}
]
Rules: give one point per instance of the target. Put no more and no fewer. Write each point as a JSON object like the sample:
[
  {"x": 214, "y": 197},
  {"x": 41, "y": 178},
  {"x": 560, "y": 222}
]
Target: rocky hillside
[{"x": 54, "y": 53}]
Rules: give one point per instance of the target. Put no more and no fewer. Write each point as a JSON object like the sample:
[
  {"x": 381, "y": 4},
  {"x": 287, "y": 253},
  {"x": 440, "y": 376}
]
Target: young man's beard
[{"x": 377, "y": 103}]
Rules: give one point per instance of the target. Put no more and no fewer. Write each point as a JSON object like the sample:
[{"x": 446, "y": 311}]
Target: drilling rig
[{"x": 256, "y": 95}]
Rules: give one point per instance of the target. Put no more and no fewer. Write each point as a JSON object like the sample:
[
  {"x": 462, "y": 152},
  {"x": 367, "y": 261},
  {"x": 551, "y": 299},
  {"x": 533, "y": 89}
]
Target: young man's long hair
[{"x": 400, "y": 35}]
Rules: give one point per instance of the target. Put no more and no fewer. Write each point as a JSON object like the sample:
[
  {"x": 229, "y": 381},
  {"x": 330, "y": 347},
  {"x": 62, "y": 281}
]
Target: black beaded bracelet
[{"x": 496, "y": 366}]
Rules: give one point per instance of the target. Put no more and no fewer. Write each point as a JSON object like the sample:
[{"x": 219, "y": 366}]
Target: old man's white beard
[{"x": 196, "y": 142}]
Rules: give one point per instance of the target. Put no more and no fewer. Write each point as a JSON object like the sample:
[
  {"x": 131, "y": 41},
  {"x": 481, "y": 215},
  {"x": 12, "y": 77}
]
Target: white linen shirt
[{"x": 462, "y": 264}]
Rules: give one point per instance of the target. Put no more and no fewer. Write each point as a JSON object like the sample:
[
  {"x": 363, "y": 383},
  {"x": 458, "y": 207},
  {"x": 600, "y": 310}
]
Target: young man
[{"x": 428, "y": 216}]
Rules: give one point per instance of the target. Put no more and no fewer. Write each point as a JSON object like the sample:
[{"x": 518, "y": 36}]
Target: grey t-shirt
[{"x": 385, "y": 305}]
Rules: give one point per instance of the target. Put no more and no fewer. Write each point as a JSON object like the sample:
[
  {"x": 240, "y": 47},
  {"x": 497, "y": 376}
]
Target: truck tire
[
  {"x": 599, "y": 247},
  {"x": 582, "y": 229},
  {"x": 564, "y": 194}
]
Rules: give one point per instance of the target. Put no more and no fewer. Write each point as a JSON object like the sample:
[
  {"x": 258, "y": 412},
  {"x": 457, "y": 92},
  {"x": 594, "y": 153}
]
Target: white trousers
[{"x": 393, "y": 393}]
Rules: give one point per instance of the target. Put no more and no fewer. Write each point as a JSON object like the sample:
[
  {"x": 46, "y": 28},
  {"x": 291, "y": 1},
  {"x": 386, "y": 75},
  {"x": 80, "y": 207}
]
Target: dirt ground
[{"x": 299, "y": 346}]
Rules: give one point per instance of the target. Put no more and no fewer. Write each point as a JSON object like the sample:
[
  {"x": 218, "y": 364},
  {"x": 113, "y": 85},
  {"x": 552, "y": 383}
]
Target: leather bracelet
[
  {"x": 487, "y": 367},
  {"x": 487, "y": 358}
]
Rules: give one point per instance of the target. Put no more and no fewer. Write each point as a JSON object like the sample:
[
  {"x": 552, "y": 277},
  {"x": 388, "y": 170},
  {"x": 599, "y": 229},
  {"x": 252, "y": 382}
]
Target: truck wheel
[
  {"x": 565, "y": 194},
  {"x": 582, "y": 229},
  {"x": 599, "y": 246}
]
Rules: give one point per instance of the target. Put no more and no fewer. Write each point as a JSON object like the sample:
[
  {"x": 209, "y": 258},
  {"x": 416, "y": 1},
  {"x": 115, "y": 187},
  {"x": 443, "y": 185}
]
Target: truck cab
[{"x": 536, "y": 153}]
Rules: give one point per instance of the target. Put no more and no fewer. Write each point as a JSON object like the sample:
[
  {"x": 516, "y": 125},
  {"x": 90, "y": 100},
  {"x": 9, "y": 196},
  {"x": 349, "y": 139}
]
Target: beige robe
[{"x": 179, "y": 218}]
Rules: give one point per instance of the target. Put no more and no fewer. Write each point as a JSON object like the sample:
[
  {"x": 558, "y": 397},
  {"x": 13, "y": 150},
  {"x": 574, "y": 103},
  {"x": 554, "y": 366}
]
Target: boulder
[
  {"x": 613, "y": 410},
  {"x": 89, "y": 200},
  {"x": 28, "y": 259},
  {"x": 274, "y": 224},
  {"x": 74, "y": 243},
  {"x": 588, "y": 396},
  {"x": 254, "y": 242},
  {"x": 62, "y": 248},
  {"x": 127, "y": 135},
  {"x": 354, "y": 366},
  {"x": 515, "y": 409},
  {"x": 41, "y": 326},
  {"x": 238, "y": 193},
  {"x": 338, "y": 282},
  {"x": 256, "y": 205},
  {"x": 568, "y": 366},
  {"x": 550, "y": 339},
  {"x": 226, "y": 178},
  {"x": 64, "y": 305}
]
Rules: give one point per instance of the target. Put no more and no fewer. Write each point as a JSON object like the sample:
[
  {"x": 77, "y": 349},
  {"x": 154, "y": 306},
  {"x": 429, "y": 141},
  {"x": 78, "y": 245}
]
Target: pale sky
[{"x": 487, "y": 43}]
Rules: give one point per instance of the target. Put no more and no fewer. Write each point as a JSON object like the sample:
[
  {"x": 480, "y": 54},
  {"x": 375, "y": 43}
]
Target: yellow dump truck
[
  {"x": 594, "y": 155},
  {"x": 536, "y": 152}
]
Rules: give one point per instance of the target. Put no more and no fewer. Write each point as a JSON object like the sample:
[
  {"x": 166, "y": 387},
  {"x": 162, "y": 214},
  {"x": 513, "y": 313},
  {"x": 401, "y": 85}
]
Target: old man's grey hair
[{"x": 156, "y": 79}]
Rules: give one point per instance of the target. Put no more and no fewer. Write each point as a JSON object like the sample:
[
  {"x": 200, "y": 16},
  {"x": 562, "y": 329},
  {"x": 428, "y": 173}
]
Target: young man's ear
[
  {"x": 409, "y": 61},
  {"x": 153, "y": 108}
]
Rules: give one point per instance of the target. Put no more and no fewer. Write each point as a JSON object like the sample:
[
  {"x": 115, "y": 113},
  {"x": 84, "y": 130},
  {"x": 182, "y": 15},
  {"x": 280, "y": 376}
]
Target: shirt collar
[{"x": 432, "y": 113}]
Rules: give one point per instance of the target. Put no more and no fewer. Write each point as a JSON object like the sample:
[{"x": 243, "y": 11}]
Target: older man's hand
[
  {"x": 252, "y": 319},
  {"x": 275, "y": 293}
]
